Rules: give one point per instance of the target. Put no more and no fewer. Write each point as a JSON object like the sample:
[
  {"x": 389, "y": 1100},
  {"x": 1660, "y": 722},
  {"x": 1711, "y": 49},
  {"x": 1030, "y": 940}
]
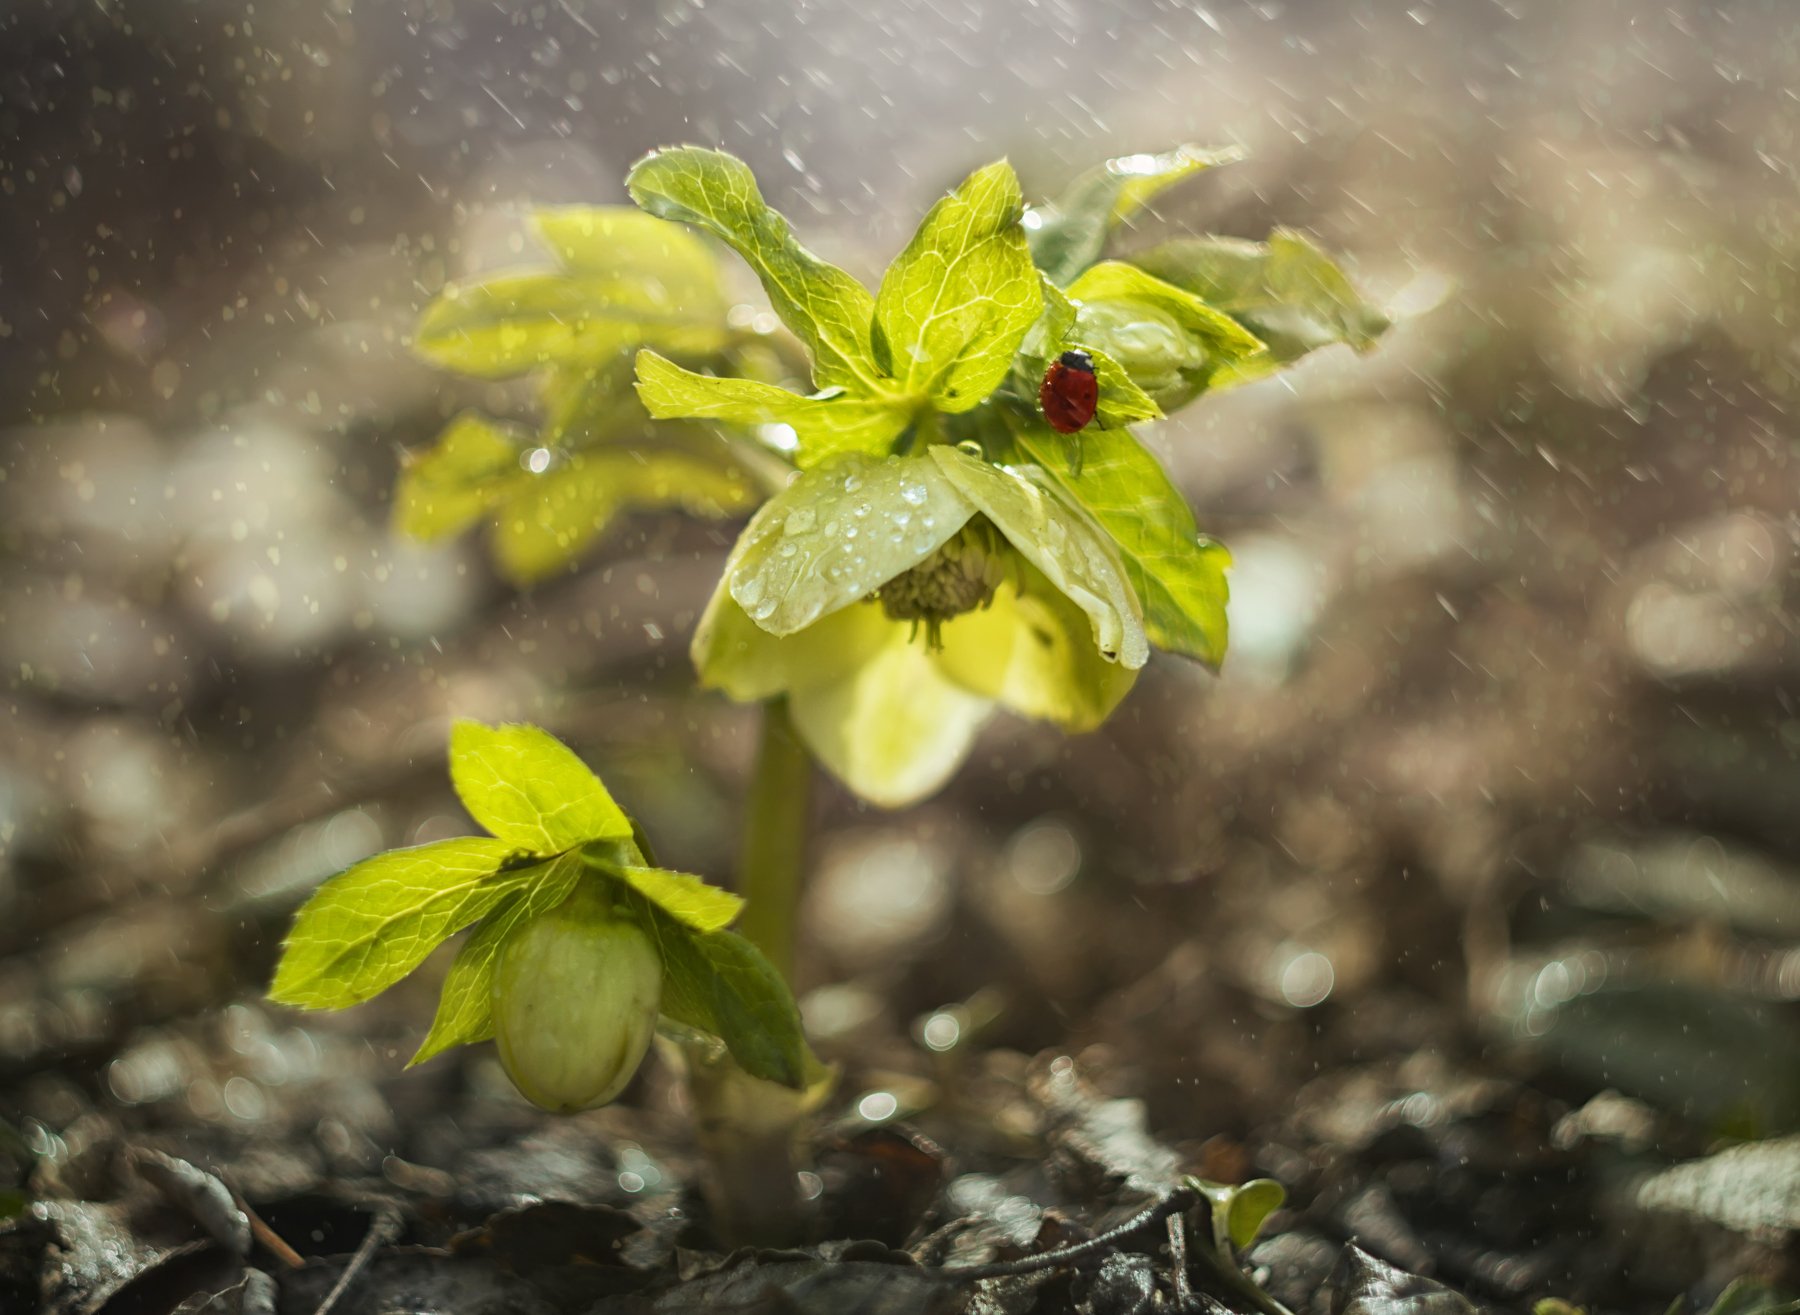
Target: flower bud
[
  {"x": 575, "y": 999},
  {"x": 1162, "y": 357}
]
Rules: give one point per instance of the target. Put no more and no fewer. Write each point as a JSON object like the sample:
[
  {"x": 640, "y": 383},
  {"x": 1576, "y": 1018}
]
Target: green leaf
[
  {"x": 1121, "y": 401},
  {"x": 956, "y": 302},
  {"x": 451, "y": 485},
  {"x": 1177, "y": 573},
  {"x": 1145, "y": 177},
  {"x": 529, "y": 789},
  {"x": 823, "y": 425},
  {"x": 1239, "y": 1211},
  {"x": 1286, "y": 291},
  {"x": 465, "y": 1012},
  {"x": 549, "y": 519},
  {"x": 1062, "y": 543},
  {"x": 839, "y": 532},
  {"x": 1114, "y": 280},
  {"x": 1048, "y": 336},
  {"x": 512, "y": 323},
  {"x": 592, "y": 403},
  {"x": 686, "y": 898},
  {"x": 368, "y": 927},
  {"x": 718, "y": 982},
  {"x": 660, "y": 264},
  {"x": 825, "y": 307},
  {"x": 1250, "y": 1207},
  {"x": 1753, "y": 1296},
  {"x": 1068, "y": 236},
  {"x": 1170, "y": 342}
]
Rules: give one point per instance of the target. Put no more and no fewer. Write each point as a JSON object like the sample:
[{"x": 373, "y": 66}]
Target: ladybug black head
[{"x": 1077, "y": 360}]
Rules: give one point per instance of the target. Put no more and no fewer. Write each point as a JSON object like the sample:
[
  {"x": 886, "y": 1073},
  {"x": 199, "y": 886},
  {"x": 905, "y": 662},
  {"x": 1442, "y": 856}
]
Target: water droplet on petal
[
  {"x": 748, "y": 589},
  {"x": 800, "y": 521},
  {"x": 913, "y": 493}
]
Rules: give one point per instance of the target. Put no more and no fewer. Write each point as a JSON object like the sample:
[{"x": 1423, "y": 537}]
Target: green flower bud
[
  {"x": 575, "y": 1000},
  {"x": 1162, "y": 357}
]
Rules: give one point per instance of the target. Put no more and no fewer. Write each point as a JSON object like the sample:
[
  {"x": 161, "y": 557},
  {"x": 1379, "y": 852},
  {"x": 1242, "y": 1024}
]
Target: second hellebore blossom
[{"x": 896, "y": 601}]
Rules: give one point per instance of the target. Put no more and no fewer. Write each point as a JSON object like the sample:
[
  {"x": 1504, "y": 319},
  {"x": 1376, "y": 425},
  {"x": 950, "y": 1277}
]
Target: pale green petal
[
  {"x": 1062, "y": 543},
  {"x": 1034, "y": 653},
  {"x": 734, "y": 654},
  {"x": 896, "y": 728},
  {"x": 837, "y": 533}
]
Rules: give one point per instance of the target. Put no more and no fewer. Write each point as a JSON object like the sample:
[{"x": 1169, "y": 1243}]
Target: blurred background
[{"x": 1503, "y": 772}]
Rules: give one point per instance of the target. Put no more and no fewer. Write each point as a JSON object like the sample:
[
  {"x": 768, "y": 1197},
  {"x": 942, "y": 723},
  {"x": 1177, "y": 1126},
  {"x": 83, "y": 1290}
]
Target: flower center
[{"x": 959, "y": 577}]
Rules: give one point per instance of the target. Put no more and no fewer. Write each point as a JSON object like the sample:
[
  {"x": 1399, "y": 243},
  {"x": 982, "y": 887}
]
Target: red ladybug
[{"x": 1069, "y": 392}]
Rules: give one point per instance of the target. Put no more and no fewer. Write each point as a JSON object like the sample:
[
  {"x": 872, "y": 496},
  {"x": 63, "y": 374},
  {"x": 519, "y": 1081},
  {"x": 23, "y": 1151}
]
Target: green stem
[
  {"x": 774, "y": 847},
  {"x": 747, "y": 1127}
]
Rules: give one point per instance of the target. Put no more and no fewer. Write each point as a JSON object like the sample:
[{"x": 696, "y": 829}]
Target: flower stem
[
  {"x": 748, "y": 1128},
  {"x": 772, "y": 857}
]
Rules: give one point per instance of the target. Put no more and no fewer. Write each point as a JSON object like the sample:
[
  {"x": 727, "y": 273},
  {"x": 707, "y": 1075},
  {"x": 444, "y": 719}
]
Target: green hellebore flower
[
  {"x": 896, "y": 601},
  {"x": 575, "y": 999}
]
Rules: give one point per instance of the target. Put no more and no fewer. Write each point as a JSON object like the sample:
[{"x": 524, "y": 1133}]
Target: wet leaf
[
  {"x": 1070, "y": 234},
  {"x": 719, "y": 983},
  {"x": 1286, "y": 291},
  {"x": 825, "y": 307},
  {"x": 1363, "y": 1285},
  {"x": 838, "y": 532},
  {"x": 956, "y": 302},
  {"x": 465, "y": 1011},
  {"x": 823, "y": 425},
  {"x": 1178, "y": 574},
  {"x": 366, "y": 928},
  {"x": 1060, "y": 542},
  {"x": 530, "y": 790}
]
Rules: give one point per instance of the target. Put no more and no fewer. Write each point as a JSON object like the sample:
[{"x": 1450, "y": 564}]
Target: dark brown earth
[{"x": 1465, "y": 904}]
